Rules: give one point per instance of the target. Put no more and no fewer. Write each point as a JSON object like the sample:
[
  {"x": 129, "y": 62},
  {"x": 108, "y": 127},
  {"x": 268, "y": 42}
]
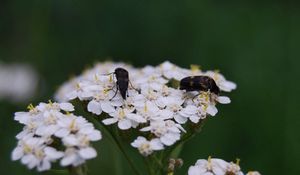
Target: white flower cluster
[
  {"x": 152, "y": 105},
  {"x": 52, "y": 132},
  {"x": 18, "y": 82},
  {"x": 217, "y": 167}
]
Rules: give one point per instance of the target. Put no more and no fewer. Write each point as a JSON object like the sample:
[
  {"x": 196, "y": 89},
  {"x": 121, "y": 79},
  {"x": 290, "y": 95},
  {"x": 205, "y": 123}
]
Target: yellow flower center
[
  {"x": 195, "y": 68},
  {"x": 39, "y": 153},
  {"x": 209, "y": 164},
  {"x": 96, "y": 77},
  {"x": 30, "y": 107},
  {"x": 77, "y": 86},
  {"x": 27, "y": 149},
  {"x": 216, "y": 75},
  {"x": 145, "y": 108},
  {"x": 121, "y": 114},
  {"x": 111, "y": 78},
  {"x": 144, "y": 148},
  {"x": 73, "y": 125}
]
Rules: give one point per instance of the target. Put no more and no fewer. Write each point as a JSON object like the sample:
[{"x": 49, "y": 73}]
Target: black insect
[
  {"x": 122, "y": 77},
  {"x": 199, "y": 83}
]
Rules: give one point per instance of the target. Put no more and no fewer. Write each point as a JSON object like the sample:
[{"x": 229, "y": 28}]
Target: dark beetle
[
  {"x": 122, "y": 81},
  {"x": 199, "y": 83}
]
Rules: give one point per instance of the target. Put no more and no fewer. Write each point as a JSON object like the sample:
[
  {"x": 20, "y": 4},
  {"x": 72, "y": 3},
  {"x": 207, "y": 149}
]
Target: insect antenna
[{"x": 108, "y": 73}]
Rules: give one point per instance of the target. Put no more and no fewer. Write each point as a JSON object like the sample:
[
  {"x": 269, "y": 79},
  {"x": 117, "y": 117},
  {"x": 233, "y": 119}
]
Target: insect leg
[
  {"x": 195, "y": 96},
  {"x": 134, "y": 87},
  {"x": 115, "y": 93}
]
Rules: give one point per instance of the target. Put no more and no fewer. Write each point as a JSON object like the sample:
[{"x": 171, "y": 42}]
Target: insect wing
[{"x": 123, "y": 87}]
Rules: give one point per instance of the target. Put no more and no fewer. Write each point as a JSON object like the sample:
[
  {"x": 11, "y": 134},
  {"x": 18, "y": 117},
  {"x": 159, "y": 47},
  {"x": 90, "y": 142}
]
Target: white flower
[
  {"x": 71, "y": 124},
  {"x": 234, "y": 168},
  {"x": 42, "y": 107},
  {"x": 209, "y": 167},
  {"x": 18, "y": 82},
  {"x": 215, "y": 167},
  {"x": 75, "y": 157},
  {"x": 154, "y": 102},
  {"x": 190, "y": 112},
  {"x": 125, "y": 118},
  {"x": 146, "y": 147},
  {"x": 34, "y": 153},
  {"x": 167, "y": 131},
  {"x": 49, "y": 120},
  {"x": 174, "y": 108},
  {"x": 222, "y": 83},
  {"x": 147, "y": 110},
  {"x": 102, "y": 102},
  {"x": 26, "y": 117},
  {"x": 152, "y": 79},
  {"x": 223, "y": 100},
  {"x": 82, "y": 90},
  {"x": 66, "y": 107},
  {"x": 49, "y": 123},
  {"x": 206, "y": 103},
  {"x": 83, "y": 137},
  {"x": 171, "y": 71}
]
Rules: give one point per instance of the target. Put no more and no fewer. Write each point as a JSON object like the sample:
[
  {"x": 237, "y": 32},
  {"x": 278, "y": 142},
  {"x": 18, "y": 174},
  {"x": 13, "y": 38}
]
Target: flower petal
[
  {"x": 212, "y": 110},
  {"x": 68, "y": 160},
  {"x": 223, "y": 100},
  {"x": 88, "y": 153},
  {"x": 94, "y": 107},
  {"x": 136, "y": 118},
  {"x": 107, "y": 107},
  {"x": 109, "y": 121},
  {"x": 124, "y": 124},
  {"x": 66, "y": 107}
]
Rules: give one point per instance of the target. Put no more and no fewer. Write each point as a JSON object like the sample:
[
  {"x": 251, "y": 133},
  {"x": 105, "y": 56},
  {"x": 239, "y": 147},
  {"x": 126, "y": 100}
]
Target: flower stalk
[{"x": 79, "y": 170}]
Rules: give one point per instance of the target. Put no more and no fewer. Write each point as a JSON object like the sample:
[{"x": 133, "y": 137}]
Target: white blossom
[
  {"x": 46, "y": 123},
  {"x": 209, "y": 167},
  {"x": 76, "y": 156},
  {"x": 125, "y": 118},
  {"x": 18, "y": 82},
  {"x": 167, "y": 131},
  {"x": 214, "y": 166},
  {"x": 234, "y": 168},
  {"x": 33, "y": 152},
  {"x": 146, "y": 147},
  {"x": 154, "y": 106},
  {"x": 222, "y": 83},
  {"x": 154, "y": 101}
]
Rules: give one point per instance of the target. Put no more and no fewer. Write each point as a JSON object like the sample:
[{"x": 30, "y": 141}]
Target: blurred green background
[{"x": 253, "y": 43}]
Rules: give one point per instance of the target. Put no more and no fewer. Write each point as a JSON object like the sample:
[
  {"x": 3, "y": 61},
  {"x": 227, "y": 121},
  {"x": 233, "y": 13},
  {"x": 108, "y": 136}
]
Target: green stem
[
  {"x": 118, "y": 143},
  {"x": 79, "y": 170},
  {"x": 55, "y": 171},
  {"x": 149, "y": 166},
  {"x": 176, "y": 150},
  {"x": 126, "y": 155},
  {"x": 158, "y": 161}
]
